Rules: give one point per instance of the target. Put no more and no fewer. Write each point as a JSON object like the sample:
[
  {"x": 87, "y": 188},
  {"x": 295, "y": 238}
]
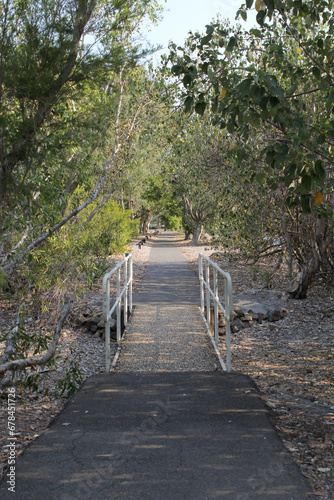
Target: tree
[
  {"x": 61, "y": 150},
  {"x": 275, "y": 83}
]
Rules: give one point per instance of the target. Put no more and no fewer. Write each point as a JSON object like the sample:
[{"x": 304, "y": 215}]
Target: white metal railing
[
  {"x": 204, "y": 264},
  {"x": 122, "y": 294}
]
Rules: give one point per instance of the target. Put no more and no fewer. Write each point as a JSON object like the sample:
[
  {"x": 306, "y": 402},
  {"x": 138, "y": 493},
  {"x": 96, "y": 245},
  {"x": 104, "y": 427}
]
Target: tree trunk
[
  {"x": 299, "y": 286},
  {"x": 320, "y": 240},
  {"x": 197, "y": 234}
]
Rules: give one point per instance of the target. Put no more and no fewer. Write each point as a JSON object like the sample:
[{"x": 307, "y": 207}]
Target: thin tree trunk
[{"x": 21, "y": 364}]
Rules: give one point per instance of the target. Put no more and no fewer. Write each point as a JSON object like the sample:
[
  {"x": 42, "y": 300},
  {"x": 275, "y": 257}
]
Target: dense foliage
[{"x": 271, "y": 89}]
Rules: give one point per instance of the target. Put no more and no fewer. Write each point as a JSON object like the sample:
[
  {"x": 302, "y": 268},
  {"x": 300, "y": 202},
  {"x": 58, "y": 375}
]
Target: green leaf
[
  {"x": 330, "y": 100},
  {"x": 231, "y": 44},
  {"x": 260, "y": 17},
  {"x": 200, "y": 107},
  {"x": 319, "y": 170},
  {"x": 206, "y": 39},
  {"x": 260, "y": 178},
  {"x": 330, "y": 134},
  {"x": 249, "y": 4},
  {"x": 243, "y": 14},
  {"x": 244, "y": 86},
  {"x": 278, "y": 91},
  {"x": 230, "y": 126},
  {"x": 187, "y": 80},
  {"x": 316, "y": 72},
  {"x": 305, "y": 185},
  {"x": 270, "y": 4},
  {"x": 306, "y": 204},
  {"x": 177, "y": 69},
  {"x": 256, "y": 32},
  {"x": 188, "y": 103},
  {"x": 204, "y": 67},
  {"x": 255, "y": 119}
]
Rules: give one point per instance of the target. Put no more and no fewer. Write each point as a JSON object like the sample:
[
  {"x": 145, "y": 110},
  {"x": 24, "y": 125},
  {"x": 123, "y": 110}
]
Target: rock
[
  {"x": 93, "y": 328},
  {"x": 258, "y": 305},
  {"x": 247, "y": 317},
  {"x": 222, "y": 322},
  {"x": 274, "y": 315},
  {"x": 238, "y": 324},
  {"x": 101, "y": 323}
]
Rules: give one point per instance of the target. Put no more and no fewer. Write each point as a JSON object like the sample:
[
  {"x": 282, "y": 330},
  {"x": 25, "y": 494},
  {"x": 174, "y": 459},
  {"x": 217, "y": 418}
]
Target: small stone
[
  {"x": 101, "y": 323},
  {"x": 238, "y": 324},
  {"x": 274, "y": 315},
  {"x": 270, "y": 404},
  {"x": 247, "y": 317},
  {"x": 93, "y": 328},
  {"x": 222, "y": 322}
]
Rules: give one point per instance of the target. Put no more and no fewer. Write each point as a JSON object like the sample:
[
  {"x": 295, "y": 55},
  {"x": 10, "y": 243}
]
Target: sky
[{"x": 182, "y": 16}]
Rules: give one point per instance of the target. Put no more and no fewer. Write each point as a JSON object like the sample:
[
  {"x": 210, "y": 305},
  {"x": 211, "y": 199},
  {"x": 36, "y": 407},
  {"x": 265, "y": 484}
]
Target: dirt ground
[{"x": 291, "y": 361}]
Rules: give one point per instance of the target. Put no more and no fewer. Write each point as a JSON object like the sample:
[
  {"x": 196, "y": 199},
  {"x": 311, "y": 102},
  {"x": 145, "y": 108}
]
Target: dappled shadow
[{"x": 166, "y": 435}]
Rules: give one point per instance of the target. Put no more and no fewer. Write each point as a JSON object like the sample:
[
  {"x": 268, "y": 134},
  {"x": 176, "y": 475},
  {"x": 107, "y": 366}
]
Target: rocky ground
[
  {"x": 78, "y": 347},
  {"x": 292, "y": 362}
]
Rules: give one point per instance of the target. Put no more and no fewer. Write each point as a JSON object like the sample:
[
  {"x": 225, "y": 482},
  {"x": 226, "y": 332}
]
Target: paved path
[
  {"x": 157, "y": 434},
  {"x": 167, "y": 332}
]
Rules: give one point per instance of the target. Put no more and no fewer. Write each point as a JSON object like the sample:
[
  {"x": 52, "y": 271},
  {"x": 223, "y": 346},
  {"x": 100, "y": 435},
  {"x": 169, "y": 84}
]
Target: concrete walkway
[{"x": 197, "y": 434}]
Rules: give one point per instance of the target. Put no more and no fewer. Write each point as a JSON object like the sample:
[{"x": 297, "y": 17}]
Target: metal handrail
[
  {"x": 125, "y": 294},
  {"x": 214, "y": 295}
]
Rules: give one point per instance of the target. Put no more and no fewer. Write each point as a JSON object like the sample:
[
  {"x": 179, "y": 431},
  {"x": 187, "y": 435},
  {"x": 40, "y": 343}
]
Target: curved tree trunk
[
  {"x": 300, "y": 285},
  {"x": 197, "y": 234},
  {"x": 320, "y": 255}
]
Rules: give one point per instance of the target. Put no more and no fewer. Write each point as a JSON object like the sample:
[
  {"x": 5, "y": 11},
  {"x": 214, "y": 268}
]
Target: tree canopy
[{"x": 232, "y": 135}]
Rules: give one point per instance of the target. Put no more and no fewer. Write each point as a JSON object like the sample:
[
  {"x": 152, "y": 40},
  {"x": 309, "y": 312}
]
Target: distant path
[{"x": 166, "y": 332}]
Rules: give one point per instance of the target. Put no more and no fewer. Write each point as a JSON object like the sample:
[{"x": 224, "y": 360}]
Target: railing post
[
  {"x": 229, "y": 318},
  {"x": 126, "y": 292},
  {"x": 207, "y": 269},
  {"x": 119, "y": 306},
  {"x": 106, "y": 307},
  {"x": 201, "y": 285},
  {"x": 130, "y": 285},
  {"x": 215, "y": 290}
]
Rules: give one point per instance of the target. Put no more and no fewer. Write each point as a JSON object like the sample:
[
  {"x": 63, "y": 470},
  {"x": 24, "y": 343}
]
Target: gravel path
[{"x": 166, "y": 332}]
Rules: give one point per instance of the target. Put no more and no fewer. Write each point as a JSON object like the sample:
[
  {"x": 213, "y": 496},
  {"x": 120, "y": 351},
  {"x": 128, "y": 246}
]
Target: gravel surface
[
  {"x": 167, "y": 338},
  {"x": 167, "y": 332}
]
